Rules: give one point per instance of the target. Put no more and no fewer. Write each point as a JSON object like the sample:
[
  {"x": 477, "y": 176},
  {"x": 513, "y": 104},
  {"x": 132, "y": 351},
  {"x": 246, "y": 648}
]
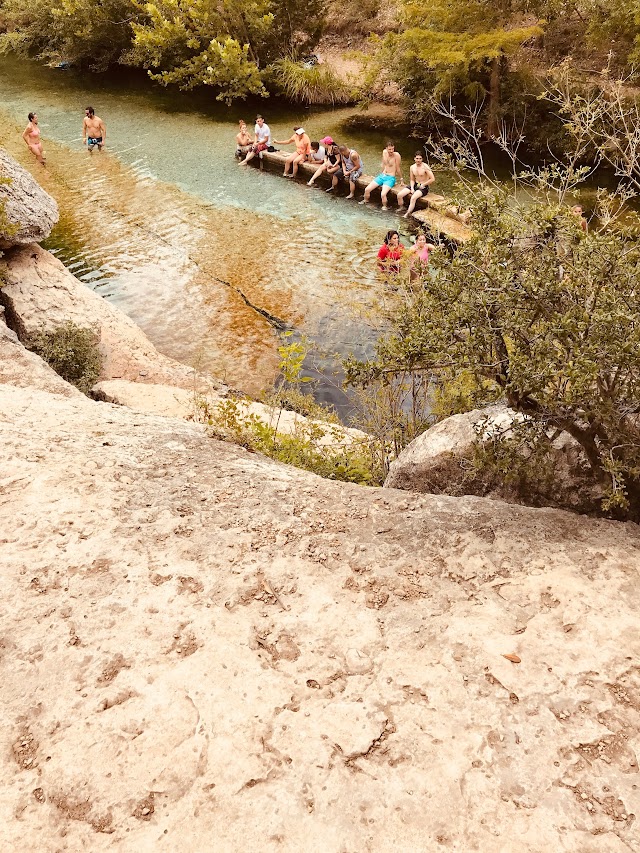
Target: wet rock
[{"x": 30, "y": 211}]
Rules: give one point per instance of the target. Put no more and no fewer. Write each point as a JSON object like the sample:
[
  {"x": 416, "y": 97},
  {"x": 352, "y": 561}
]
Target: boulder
[
  {"x": 204, "y": 649},
  {"x": 441, "y": 461},
  {"x": 40, "y": 295},
  {"x": 30, "y": 212},
  {"x": 25, "y": 369}
]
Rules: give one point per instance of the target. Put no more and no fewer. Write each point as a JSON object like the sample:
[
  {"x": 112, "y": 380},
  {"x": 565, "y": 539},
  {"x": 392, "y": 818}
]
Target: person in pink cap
[
  {"x": 331, "y": 160},
  {"x": 302, "y": 153}
]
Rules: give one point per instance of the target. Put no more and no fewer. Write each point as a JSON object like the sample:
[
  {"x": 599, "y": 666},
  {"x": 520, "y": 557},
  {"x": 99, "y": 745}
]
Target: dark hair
[
  {"x": 343, "y": 149},
  {"x": 315, "y": 146},
  {"x": 90, "y": 110},
  {"x": 419, "y": 154},
  {"x": 31, "y": 115},
  {"x": 259, "y": 116},
  {"x": 390, "y": 234},
  {"x": 389, "y": 142}
]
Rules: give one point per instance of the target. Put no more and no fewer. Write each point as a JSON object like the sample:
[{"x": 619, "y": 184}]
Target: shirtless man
[
  {"x": 94, "y": 132},
  {"x": 420, "y": 177},
  {"x": 391, "y": 172}
]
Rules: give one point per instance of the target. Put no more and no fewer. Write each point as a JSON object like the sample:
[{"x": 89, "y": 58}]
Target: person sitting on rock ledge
[
  {"x": 391, "y": 172},
  {"x": 332, "y": 160},
  {"x": 261, "y": 142},
  {"x": 243, "y": 141},
  {"x": 420, "y": 177},
  {"x": 302, "y": 153}
]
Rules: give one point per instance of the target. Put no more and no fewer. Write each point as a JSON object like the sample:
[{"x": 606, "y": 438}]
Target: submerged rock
[
  {"x": 30, "y": 211},
  {"x": 442, "y": 461}
]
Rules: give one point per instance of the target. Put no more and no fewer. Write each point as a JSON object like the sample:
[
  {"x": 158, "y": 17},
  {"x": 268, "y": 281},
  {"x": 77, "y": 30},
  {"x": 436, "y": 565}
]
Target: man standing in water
[
  {"x": 94, "y": 132},
  {"x": 391, "y": 172}
]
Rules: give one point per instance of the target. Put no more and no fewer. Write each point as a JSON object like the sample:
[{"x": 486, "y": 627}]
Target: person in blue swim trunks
[
  {"x": 390, "y": 175},
  {"x": 94, "y": 131}
]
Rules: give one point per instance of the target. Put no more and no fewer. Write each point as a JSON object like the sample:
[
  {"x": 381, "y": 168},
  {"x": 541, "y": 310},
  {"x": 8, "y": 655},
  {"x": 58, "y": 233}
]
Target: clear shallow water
[{"x": 164, "y": 217}]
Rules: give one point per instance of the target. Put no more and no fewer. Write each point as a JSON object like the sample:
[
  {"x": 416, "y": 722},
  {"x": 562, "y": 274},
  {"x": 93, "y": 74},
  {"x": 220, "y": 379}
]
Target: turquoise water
[{"x": 163, "y": 216}]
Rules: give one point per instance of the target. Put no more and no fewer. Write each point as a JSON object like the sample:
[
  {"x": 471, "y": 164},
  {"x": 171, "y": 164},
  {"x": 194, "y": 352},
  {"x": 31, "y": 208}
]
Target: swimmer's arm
[
  {"x": 399, "y": 168},
  {"x": 284, "y": 141},
  {"x": 103, "y": 131},
  {"x": 430, "y": 177},
  {"x": 84, "y": 130},
  {"x": 25, "y": 134},
  {"x": 412, "y": 178}
]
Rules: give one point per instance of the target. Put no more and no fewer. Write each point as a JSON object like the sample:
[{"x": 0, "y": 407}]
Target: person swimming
[
  {"x": 32, "y": 138},
  {"x": 419, "y": 256}
]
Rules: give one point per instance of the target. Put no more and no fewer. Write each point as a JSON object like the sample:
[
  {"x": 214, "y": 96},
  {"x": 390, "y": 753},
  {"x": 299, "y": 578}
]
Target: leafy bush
[{"x": 72, "y": 352}]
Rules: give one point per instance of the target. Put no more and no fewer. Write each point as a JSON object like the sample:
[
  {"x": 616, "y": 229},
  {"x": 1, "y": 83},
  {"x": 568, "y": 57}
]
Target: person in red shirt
[{"x": 390, "y": 253}]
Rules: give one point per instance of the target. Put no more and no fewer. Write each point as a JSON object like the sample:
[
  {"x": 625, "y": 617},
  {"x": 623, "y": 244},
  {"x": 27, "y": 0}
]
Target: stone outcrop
[
  {"x": 30, "y": 211},
  {"x": 441, "y": 461},
  {"x": 180, "y": 403},
  {"x": 40, "y": 294},
  {"x": 202, "y": 647},
  {"x": 24, "y": 369}
]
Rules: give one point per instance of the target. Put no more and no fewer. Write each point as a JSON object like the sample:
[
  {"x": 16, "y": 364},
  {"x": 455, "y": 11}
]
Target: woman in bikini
[
  {"x": 244, "y": 142},
  {"x": 31, "y": 136},
  {"x": 419, "y": 257}
]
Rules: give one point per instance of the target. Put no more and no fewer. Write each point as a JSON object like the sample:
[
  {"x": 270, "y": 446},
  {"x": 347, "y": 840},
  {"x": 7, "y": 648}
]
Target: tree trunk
[{"x": 494, "y": 98}]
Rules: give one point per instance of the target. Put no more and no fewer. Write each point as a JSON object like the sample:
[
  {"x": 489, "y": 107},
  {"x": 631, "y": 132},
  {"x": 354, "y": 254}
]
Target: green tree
[
  {"x": 459, "y": 48},
  {"x": 78, "y": 31}
]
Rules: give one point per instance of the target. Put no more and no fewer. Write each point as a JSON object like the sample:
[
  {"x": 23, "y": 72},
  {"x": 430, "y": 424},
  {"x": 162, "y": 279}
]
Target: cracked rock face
[
  {"x": 202, "y": 649},
  {"x": 31, "y": 211}
]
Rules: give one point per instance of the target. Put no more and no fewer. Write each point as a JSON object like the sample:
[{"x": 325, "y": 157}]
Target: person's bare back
[{"x": 94, "y": 131}]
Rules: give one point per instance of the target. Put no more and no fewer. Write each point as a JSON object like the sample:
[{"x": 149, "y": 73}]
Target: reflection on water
[{"x": 164, "y": 220}]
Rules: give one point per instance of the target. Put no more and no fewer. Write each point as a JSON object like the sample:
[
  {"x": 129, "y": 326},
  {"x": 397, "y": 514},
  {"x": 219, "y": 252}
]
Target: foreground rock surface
[
  {"x": 31, "y": 211},
  {"x": 441, "y": 461},
  {"x": 202, "y": 649},
  {"x": 40, "y": 294}
]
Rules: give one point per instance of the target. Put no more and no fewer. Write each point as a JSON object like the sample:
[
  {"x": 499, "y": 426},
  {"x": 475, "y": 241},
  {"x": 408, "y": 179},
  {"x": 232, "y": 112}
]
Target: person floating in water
[
  {"x": 262, "y": 140},
  {"x": 94, "y": 131},
  {"x": 391, "y": 173},
  {"x": 390, "y": 253},
  {"x": 31, "y": 136},
  {"x": 243, "y": 141},
  {"x": 420, "y": 177},
  {"x": 302, "y": 152}
]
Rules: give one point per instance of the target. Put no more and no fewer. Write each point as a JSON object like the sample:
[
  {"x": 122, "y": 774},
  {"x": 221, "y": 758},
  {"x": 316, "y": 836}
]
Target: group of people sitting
[
  {"x": 339, "y": 163},
  {"x": 393, "y": 257}
]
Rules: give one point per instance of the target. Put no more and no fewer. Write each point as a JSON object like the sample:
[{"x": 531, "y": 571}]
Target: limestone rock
[
  {"x": 40, "y": 294},
  {"x": 30, "y": 210},
  {"x": 25, "y": 369},
  {"x": 180, "y": 403},
  {"x": 157, "y": 694},
  {"x": 440, "y": 461}
]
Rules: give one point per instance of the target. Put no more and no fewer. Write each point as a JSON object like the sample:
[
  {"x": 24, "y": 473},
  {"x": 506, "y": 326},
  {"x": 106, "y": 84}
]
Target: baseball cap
[{"x": 328, "y": 140}]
